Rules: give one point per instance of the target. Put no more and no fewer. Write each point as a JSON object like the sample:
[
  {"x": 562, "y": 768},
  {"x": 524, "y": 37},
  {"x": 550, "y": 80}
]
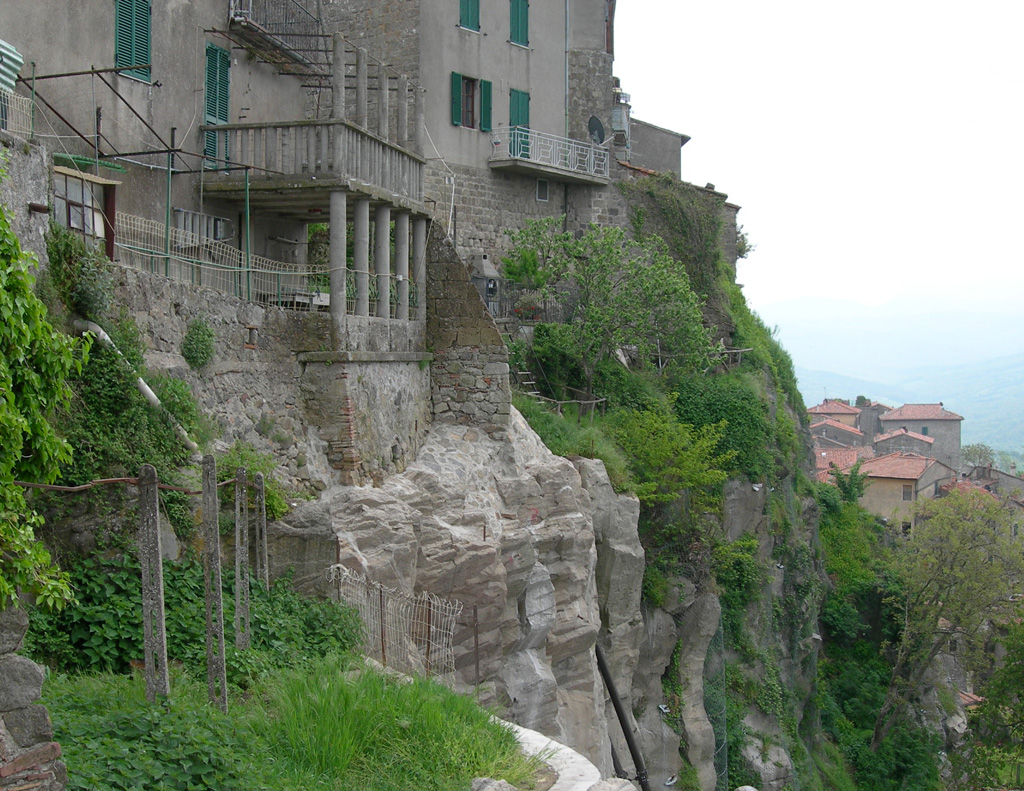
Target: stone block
[
  {"x": 21, "y": 682},
  {"x": 13, "y": 625},
  {"x": 30, "y": 725}
]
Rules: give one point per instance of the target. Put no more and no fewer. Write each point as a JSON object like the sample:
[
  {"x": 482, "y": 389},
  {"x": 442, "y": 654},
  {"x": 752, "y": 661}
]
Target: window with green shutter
[
  {"x": 485, "y": 106},
  {"x": 218, "y": 65},
  {"x": 132, "y": 36},
  {"x": 519, "y": 22},
  {"x": 519, "y": 120},
  {"x": 469, "y": 14},
  {"x": 467, "y": 95}
]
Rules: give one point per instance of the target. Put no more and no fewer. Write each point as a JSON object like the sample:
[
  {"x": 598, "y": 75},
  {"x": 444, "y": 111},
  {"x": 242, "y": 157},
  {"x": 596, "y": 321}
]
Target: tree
[
  {"x": 978, "y": 454},
  {"x": 624, "y": 294},
  {"x": 850, "y": 484},
  {"x": 956, "y": 568},
  {"x": 35, "y": 363}
]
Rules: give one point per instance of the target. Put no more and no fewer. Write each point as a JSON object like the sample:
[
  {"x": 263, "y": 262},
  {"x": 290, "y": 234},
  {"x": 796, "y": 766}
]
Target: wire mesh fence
[
  {"x": 406, "y": 632},
  {"x": 714, "y": 705},
  {"x": 15, "y": 113}
]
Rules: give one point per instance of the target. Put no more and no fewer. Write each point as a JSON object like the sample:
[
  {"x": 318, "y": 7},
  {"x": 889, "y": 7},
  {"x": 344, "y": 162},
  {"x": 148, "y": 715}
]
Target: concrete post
[
  {"x": 402, "y": 264},
  {"x": 419, "y": 265},
  {"x": 154, "y": 639},
  {"x": 338, "y": 78},
  {"x": 361, "y": 88},
  {"x": 383, "y": 101},
  {"x": 382, "y": 259},
  {"x": 417, "y": 132},
  {"x": 403, "y": 111},
  {"x": 216, "y": 669},
  {"x": 361, "y": 253},
  {"x": 338, "y": 231},
  {"x": 241, "y": 560},
  {"x": 262, "y": 566}
]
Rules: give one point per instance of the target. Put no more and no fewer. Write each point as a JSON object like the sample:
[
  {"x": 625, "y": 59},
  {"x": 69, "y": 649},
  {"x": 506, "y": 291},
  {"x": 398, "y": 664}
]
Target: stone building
[
  {"x": 896, "y": 482},
  {"x": 903, "y": 441},
  {"x": 929, "y": 420}
]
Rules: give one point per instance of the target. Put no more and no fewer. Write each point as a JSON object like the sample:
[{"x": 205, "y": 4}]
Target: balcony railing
[
  {"x": 15, "y": 113},
  {"x": 281, "y": 30},
  {"x": 182, "y": 255},
  {"x": 519, "y": 145},
  {"x": 307, "y": 148}
]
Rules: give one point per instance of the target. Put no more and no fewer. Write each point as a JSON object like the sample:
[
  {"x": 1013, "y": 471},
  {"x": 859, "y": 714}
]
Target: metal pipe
[{"x": 634, "y": 749}]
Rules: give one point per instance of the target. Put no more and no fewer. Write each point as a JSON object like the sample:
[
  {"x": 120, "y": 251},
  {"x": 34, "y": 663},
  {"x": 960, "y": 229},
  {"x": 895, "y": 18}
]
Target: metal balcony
[
  {"x": 548, "y": 156},
  {"x": 287, "y": 33}
]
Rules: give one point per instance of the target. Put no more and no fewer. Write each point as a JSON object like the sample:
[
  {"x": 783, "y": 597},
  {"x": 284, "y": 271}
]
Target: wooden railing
[{"x": 334, "y": 147}]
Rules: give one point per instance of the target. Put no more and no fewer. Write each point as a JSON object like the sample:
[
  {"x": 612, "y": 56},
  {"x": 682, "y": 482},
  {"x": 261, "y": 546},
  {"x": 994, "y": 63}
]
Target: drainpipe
[
  {"x": 627, "y": 731},
  {"x": 140, "y": 383}
]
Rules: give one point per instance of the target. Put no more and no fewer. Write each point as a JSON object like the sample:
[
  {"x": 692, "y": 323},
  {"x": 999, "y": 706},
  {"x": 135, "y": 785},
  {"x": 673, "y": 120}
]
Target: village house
[
  {"x": 929, "y": 420},
  {"x": 903, "y": 441},
  {"x": 895, "y": 482}
]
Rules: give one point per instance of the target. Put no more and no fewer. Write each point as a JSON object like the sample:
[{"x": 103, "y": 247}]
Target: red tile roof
[
  {"x": 907, "y": 466},
  {"x": 920, "y": 412},
  {"x": 830, "y": 407},
  {"x": 904, "y": 432},
  {"x": 841, "y": 457},
  {"x": 836, "y": 424},
  {"x": 963, "y": 485}
]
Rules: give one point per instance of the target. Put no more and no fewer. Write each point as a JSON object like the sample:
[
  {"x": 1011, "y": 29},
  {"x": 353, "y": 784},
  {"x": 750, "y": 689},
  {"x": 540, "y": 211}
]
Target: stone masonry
[
  {"x": 469, "y": 374},
  {"x": 29, "y": 758}
]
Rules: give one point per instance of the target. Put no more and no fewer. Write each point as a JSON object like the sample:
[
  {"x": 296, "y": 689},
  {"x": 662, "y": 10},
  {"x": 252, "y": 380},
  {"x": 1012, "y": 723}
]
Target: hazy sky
[{"x": 876, "y": 150}]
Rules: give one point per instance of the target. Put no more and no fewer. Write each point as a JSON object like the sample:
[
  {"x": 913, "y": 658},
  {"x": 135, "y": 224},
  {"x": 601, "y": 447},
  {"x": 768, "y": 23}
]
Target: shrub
[
  {"x": 242, "y": 454},
  {"x": 80, "y": 273},
  {"x": 197, "y": 345}
]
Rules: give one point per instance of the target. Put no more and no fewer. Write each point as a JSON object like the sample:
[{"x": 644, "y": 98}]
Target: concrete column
[
  {"x": 154, "y": 635},
  {"x": 216, "y": 669},
  {"x": 383, "y": 101},
  {"x": 339, "y": 231},
  {"x": 402, "y": 264},
  {"x": 403, "y": 111},
  {"x": 361, "y": 88},
  {"x": 382, "y": 259},
  {"x": 338, "y": 78},
  {"x": 361, "y": 254},
  {"x": 241, "y": 560},
  {"x": 419, "y": 265}
]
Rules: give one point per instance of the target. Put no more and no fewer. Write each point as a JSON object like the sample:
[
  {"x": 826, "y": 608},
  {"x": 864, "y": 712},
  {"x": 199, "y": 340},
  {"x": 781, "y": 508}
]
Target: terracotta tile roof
[
  {"x": 836, "y": 424},
  {"x": 831, "y": 407},
  {"x": 904, "y": 432},
  {"x": 907, "y": 466},
  {"x": 964, "y": 485},
  {"x": 920, "y": 412},
  {"x": 841, "y": 457},
  {"x": 969, "y": 700}
]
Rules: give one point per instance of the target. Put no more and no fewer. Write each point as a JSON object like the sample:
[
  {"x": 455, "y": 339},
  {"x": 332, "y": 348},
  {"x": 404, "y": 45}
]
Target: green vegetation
[
  {"x": 197, "y": 345},
  {"x": 79, "y": 275},
  {"x": 36, "y": 365}
]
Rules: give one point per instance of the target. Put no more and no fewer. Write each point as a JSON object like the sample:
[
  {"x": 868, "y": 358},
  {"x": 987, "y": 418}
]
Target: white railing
[
  {"x": 509, "y": 143},
  {"x": 183, "y": 255},
  {"x": 307, "y": 148},
  {"x": 15, "y": 113}
]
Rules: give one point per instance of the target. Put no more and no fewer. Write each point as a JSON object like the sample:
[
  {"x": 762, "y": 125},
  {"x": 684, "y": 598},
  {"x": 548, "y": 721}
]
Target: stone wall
[
  {"x": 274, "y": 382},
  {"x": 469, "y": 374},
  {"x": 385, "y": 30},
  {"x": 27, "y": 181},
  {"x": 29, "y": 758},
  {"x": 590, "y": 92}
]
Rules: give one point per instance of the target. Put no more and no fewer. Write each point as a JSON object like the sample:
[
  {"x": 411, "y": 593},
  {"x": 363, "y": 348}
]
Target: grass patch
[{"x": 317, "y": 726}]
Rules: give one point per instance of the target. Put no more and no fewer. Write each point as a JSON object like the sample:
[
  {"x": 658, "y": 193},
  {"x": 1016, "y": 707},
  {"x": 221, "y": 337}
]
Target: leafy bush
[
  {"x": 102, "y": 630},
  {"x": 80, "y": 273},
  {"x": 705, "y": 401},
  {"x": 242, "y": 454},
  {"x": 197, "y": 345},
  {"x": 740, "y": 576}
]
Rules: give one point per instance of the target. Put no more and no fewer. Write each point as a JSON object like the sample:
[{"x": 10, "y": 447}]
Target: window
[
  {"x": 519, "y": 22},
  {"x": 908, "y": 491},
  {"x": 924, "y": 431},
  {"x": 85, "y": 203},
  {"x": 519, "y": 120},
  {"x": 218, "y": 64},
  {"x": 469, "y": 14},
  {"x": 471, "y": 102},
  {"x": 542, "y": 190},
  {"x": 131, "y": 37}
]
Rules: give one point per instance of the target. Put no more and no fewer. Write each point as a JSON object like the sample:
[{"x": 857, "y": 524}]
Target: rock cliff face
[{"x": 540, "y": 545}]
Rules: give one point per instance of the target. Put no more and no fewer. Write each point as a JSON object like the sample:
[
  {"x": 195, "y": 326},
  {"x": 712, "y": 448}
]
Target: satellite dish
[{"x": 596, "y": 129}]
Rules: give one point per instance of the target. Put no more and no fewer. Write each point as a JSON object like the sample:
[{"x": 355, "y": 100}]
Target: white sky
[{"x": 876, "y": 147}]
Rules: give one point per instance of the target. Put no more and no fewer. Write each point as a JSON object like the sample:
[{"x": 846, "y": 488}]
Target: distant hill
[{"x": 989, "y": 394}]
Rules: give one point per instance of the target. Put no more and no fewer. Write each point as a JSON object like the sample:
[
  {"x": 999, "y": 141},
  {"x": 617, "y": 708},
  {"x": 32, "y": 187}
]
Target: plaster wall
[{"x": 654, "y": 148}]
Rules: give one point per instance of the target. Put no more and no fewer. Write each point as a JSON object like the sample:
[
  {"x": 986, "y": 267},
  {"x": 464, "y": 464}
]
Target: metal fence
[
  {"x": 519, "y": 142},
  {"x": 15, "y": 113},
  {"x": 409, "y": 633},
  {"x": 184, "y": 255}
]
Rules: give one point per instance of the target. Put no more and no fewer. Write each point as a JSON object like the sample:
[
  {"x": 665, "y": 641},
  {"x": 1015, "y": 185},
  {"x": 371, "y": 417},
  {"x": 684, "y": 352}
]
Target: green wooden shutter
[
  {"x": 218, "y": 81},
  {"x": 518, "y": 108},
  {"x": 519, "y": 22},
  {"x": 469, "y": 14},
  {"x": 485, "y": 106},
  {"x": 456, "y": 98},
  {"x": 132, "y": 36}
]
